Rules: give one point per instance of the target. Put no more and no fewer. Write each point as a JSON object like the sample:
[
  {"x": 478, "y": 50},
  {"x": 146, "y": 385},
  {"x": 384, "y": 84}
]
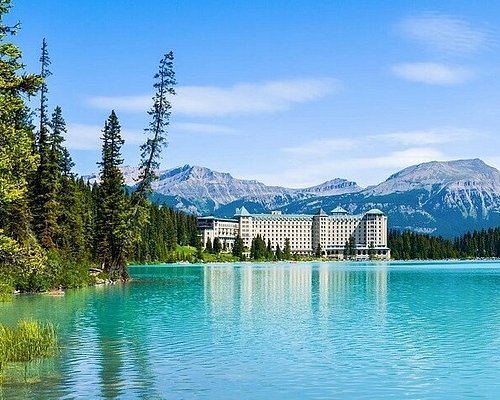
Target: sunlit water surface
[{"x": 273, "y": 331}]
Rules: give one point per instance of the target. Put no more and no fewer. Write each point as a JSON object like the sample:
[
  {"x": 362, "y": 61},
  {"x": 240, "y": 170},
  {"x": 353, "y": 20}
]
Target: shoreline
[{"x": 187, "y": 263}]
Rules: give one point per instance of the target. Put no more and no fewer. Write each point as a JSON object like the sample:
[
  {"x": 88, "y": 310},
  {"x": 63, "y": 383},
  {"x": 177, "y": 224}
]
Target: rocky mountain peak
[
  {"x": 435, "y": 175},
  {"x": 334, "y": 186}
]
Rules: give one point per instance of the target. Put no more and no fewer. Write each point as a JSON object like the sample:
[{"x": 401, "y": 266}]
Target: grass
[
  {"x": 28, "y": 342},
  {"x": 221, "y": 257}
]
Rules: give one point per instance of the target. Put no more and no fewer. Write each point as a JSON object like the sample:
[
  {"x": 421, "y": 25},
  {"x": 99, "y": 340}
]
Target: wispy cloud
[
  {"x": 214, "y": 129},
  {"x": 396, "y": 159},
  {"x": 372, "y": 158},
  {"x": 240, "y": 99},
  {"x": 88, "y": 137},
  {"x": 372, "y": 170},
  {"x": 432, "y": 73},
  {"x": 427, "y": 137},
  {"x": 448, "y": 34}
]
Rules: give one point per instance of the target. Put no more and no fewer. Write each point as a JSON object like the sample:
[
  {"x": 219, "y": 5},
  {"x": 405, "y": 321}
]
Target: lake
[{"x": 313, "y": 330}]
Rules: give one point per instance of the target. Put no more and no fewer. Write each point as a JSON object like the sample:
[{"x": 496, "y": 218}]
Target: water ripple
[{"x": 280, "y": 331}]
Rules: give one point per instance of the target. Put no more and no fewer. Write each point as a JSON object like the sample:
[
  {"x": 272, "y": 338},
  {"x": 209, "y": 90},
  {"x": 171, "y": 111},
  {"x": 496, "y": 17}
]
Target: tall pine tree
[
  {"x": 160, "y": 113},
  {"x": 56, "y": 139},
  {"x": 44, "y": 202},
  {"x": 112, "y": 230}
]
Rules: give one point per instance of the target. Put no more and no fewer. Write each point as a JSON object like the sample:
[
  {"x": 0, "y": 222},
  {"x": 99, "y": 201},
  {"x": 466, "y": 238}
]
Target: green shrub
[
  {"x": 24, "y": 266},
  {"x": 68, "y": 273},
  {"x": 6, "y": 292}
]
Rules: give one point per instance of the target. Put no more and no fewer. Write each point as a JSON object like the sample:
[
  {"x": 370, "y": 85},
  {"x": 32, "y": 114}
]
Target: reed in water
[{"x": 28, "y": 342}]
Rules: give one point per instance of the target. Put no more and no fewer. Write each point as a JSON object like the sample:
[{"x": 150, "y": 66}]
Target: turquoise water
[{"x": 273, "y": 331}]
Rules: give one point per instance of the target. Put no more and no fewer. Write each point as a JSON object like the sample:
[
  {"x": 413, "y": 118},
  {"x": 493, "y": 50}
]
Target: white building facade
[{"x": 368, "y": 232}]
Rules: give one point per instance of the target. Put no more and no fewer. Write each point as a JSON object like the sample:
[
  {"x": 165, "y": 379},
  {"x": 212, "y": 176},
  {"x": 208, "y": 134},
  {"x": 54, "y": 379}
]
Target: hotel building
[{"x": 304, "y": 232}]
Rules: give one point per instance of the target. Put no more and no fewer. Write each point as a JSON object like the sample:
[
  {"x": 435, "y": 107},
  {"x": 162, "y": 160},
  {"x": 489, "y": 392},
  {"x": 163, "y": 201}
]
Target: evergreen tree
[
  {"x": 44, "y": 203},
  {"x": 160, "y": 113},
  {"x": 238, "y": 247},
  {"x": 75, "y": 219},
  {"x": 318, "y": 251},
  {"x": 151, "y": 151},
  {"x": 199, "y": 249},
  {"x": 171, "y": 232},
  {"x": 67, "y": 163},
  {"x": 350, "y": 251},
  {"x": 217, "y": 247},
  {"x": 287, "y": 254},
  {"x": 258, "y": 250},
  {"x": 112, "y": 230},
  {"x": 269, "y": 250},
  {"x": 208, "y": 246},
  {"x": 347, "y": 250},
  {"x": 17, "y": 161},
  {"x": 278, "y": 254},
  {"x": 43, "y": 130},
  {"x": 252, "y": 249},
  {"x": 56, "y": 139},
  {"x": 352, "y": 246}
]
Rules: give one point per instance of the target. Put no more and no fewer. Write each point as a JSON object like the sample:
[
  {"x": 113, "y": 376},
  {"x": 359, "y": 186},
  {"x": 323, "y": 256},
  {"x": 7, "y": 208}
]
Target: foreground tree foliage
[
  {"x": 18, "y": 160},
  {"x": 55, "y": 226}
]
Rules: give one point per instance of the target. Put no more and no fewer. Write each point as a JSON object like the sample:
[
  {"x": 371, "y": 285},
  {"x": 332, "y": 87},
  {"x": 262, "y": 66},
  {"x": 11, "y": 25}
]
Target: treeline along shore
[{"x": 54, "y": 226}]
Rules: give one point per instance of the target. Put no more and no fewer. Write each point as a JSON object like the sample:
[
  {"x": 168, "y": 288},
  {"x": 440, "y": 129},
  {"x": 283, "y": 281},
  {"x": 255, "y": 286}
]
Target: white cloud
[
  {"x": 88, "y": 137},
  {"x": 448, "y": 34},
  {"x": 396, "y": 159},
  {"x": 370, "y": 159},
  {"x": 203, "y": 128},
  {"x": 370, "y": 170},
  {"x": 244, "y": 98},
  {"x": 427, "y": 137},
  {"x": 432, "y": 73}
]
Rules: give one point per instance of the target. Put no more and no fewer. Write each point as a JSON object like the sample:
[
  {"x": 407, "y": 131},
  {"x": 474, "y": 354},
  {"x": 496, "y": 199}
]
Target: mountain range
[{"x": 441, "y": 198}]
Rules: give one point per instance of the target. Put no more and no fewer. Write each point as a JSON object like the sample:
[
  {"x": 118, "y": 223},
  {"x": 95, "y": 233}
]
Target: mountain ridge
[{"x": 437, "y": 197}]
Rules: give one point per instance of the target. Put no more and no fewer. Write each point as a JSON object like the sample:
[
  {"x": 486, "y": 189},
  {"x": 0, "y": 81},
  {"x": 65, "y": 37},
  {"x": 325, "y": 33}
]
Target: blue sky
[{"x": 290, "y": 93}]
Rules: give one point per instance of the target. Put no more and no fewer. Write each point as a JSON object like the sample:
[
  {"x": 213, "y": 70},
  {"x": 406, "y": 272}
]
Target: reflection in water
[
  {"x": 275, "y": 330},
  {"x": 220, "y": 288},
  {"x": 289, "y": 285}
]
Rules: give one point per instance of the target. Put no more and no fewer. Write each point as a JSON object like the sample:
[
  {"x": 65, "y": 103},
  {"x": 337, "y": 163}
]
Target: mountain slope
[
  {"x": 200, "y": 190},
  {"x": 433, "y": 176},
  {"x": 445, "y": 198}
]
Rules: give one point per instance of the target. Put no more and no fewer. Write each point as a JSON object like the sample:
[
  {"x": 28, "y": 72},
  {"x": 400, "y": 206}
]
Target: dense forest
[
  {"x": 54, "y": 226},
  {"x": 478, "y": 244}
]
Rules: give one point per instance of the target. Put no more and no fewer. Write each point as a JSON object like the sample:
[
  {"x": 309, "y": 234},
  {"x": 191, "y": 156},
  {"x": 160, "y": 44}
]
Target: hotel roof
[{"x": 337, "y": 213}]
